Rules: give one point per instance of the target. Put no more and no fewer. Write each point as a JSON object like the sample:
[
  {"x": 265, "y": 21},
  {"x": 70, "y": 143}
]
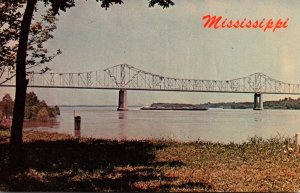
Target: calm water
[{"x": 212, "y": 125}]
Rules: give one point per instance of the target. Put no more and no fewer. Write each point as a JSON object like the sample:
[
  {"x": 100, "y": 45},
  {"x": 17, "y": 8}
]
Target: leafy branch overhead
[
  {"x": 9, "y": 29},
  {"x": 62, "y": 5},
  {"x": 162, "y": 3},
  {"x": 40, "y": 32}
]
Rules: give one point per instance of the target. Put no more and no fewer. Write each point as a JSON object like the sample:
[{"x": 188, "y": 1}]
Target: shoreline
[
  {"x": 6, "y": 123},
  {"x": 173, "y": 109},
  {"x": 175, "y": 106}
]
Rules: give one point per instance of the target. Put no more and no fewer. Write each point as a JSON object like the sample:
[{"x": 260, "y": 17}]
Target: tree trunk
[{"x": 21, "y": 83}]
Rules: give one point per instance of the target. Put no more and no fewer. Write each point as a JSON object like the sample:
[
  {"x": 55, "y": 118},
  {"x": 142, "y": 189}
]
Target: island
[
  {"x": 175, "y": 106},
  {"x": 286, "y": 103}
]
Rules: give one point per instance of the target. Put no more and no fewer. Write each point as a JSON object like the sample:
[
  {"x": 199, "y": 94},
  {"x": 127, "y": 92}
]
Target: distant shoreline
[
  {"x": 175, "y": 106},
  {"x": 96, "y": 105},
  {"x": 283, "y": 104},
  {"x": 182, "y": 109}
]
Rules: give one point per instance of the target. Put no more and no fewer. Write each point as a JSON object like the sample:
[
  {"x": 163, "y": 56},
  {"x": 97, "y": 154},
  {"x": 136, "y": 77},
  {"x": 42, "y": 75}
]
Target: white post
[{"x": 297, "y": 142}]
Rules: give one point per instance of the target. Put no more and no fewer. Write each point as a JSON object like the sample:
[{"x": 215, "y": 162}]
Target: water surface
[{"x": 223, "y": 125}]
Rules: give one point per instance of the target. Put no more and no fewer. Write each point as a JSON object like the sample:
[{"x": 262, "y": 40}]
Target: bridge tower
[
  {"x": 122, "y": 105},
  {"x": 258, "y": 103}
]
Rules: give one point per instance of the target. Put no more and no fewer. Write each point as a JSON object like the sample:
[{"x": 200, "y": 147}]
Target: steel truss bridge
[{"x": 125, "y": 77}]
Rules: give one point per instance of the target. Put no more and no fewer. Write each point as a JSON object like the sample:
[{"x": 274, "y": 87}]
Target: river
[{"x": 216, "y": 125}]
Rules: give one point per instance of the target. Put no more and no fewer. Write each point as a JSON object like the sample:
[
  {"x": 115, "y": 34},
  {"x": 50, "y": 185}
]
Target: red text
[{"x": 264, "y": 24}]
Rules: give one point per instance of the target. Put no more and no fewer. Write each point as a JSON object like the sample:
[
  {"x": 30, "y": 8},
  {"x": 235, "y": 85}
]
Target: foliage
[
  {"x": 162, "y": 3},
  {"x": 9, "y": 28},
  {"x": 43, "y": 114},
  {"x": 63, "y": 5},
  {"x": 6, "y": 106},
  {"x": 286, "y": 103},
  {"x": 1, "y": 116},
  {"x": 36, "y": 109},
  {"x": 40, "y": 32}
]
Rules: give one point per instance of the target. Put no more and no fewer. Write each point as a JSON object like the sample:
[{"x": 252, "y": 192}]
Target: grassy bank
[{"x": 57, "y": 162}]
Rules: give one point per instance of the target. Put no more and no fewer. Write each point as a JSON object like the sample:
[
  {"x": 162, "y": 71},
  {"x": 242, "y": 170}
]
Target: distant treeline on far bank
[
  {"x": 35, "y": 109},
  {"x": 286, "y": 103}
]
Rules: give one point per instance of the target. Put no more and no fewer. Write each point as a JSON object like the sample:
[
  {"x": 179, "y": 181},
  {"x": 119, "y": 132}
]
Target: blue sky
[{"x": 173, "y": 42}]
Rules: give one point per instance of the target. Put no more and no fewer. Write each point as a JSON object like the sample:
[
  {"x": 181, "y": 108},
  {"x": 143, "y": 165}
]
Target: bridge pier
[
  {"x": 258, "y": 103},
  {"x": 122, "y": 105}
]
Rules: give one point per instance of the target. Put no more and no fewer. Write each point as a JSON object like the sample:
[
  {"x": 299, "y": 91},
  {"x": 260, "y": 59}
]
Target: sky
[{"x": 172, "y": 42}]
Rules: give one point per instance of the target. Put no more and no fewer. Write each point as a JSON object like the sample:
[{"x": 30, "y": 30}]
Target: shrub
[{"x": 43, "y": 114}]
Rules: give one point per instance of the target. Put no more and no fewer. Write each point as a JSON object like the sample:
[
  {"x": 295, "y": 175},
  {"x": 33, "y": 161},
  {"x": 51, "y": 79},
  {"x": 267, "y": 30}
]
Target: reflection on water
[
  {"x": 77, "y": 132},
  {"x": 123, "y": 124},
  {"x": 53, "y": 123},
  {"x": 122, "y": 114},
  {"x": 213, "y": 125}
]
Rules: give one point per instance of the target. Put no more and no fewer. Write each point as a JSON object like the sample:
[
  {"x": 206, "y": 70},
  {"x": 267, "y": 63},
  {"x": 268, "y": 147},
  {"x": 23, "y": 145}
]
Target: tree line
[
  {"x": 286, "y": 103},
  {"x": 35, "y": 109}
]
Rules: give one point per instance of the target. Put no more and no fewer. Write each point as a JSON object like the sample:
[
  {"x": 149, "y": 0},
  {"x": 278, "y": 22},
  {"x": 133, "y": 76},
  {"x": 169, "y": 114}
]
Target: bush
[{"x": 43, "y": 114}]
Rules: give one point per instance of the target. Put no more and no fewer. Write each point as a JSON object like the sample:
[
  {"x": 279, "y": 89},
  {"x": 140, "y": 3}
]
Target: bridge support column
[
  {"x": 258, "y": 103},
  {"x": 123, "y": 106}
]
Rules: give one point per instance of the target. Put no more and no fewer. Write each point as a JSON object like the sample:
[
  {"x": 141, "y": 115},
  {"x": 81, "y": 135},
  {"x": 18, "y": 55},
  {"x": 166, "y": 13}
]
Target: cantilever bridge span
[{"x": 125, "y": 77}]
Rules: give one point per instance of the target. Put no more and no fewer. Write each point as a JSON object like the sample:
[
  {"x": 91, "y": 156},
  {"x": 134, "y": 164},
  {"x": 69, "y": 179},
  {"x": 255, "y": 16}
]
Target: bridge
[{"x": 124, "y": 77}]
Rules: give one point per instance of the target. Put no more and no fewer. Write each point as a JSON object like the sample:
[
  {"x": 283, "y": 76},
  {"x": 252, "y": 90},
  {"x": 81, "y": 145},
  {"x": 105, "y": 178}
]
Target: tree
[
  {"x": 6, "y": 106},
  {"x": 21, "y": 81},
  {"x": 31, "y": 105},
  {"x": 40, "y": 32},
  {"x": 1, "y": 116},
  {"x": 9, "y": 27},
  {"x": 43, "y": 114}
]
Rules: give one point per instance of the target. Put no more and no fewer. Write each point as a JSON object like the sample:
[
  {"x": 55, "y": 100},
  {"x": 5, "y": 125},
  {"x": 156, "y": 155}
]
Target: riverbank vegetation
[
  {"x": 59, "y": 162},
  {"x": 286, "y": 103},
  {"x": 35, "y": 109},
  {"x": 39, "y": 110}
]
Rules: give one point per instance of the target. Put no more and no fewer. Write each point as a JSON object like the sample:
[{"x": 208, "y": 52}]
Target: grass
[{"x": 58, "y": 162}]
